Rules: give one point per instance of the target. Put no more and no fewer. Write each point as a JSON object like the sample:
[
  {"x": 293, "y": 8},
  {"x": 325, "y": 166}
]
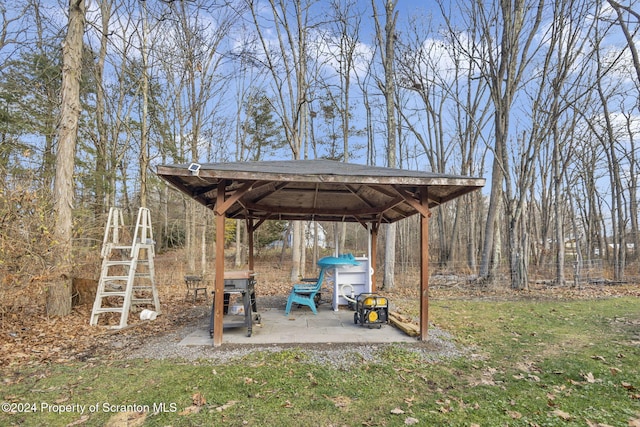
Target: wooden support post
[
  {"x": 219, "y": 281},
  {"x": 249, "y": 222},
  {"x": 424, "y": 264}
]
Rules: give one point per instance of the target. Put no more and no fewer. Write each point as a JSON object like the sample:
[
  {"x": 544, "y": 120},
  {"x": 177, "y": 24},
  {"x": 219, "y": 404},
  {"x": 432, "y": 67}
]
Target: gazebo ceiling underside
[{"x": 318, "y": 190}]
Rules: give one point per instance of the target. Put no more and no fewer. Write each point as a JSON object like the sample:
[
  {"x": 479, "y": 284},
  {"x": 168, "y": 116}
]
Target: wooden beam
[
  {"x": 218, "y": 304},
  {"x": 328, "y": 211},
  {"x": 276, "y": 187},
  {"x": 260, "y": 222},
  {"x": 394, "y": 194},
  {"x": 221, "y": 208},
  {"x": 424, "y": 263},
  {"x": 423, "y": 208}
]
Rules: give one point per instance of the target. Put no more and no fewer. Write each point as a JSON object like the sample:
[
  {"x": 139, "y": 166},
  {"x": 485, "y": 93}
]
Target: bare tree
[
  {"x": 343, "y": 44},
  {"x": 114, "y": 103},
  {"x": 629, "y": 21},
  {"x": 143, "y": 157},
  {"x": 435, "y": 68},
  {"x": 507, "y": 31},
  {"x": 11, "y": 15},
  {"x": 569, "y": 34},
  {"x": 102, "y": 143},
  {"x": 385, "y": 38},
  {"x": 286, "y": 63},
  {"x": 191, "y": 61},
  {"x": 624, "y": 23},
  {"x": 59, "y": 295},
  {"x": 608, "y": 135},
  {"x": 346, "y": 21}
]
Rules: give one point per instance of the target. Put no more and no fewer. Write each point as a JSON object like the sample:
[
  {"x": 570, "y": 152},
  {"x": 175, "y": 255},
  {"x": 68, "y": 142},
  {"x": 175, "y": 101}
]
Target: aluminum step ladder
[{"x": 127, "y": 274}]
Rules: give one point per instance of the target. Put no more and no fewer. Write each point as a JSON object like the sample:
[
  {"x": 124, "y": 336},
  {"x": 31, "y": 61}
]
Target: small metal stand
[{"x": 243, "y": 283}]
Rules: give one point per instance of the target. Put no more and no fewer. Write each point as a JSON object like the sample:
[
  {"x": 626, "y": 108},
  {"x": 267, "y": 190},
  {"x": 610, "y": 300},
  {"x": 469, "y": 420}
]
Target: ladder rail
[
  {"x": 143, "y": 232},
  {"x": 115, "y": 223},
  {"x": 142, "y": 243}
]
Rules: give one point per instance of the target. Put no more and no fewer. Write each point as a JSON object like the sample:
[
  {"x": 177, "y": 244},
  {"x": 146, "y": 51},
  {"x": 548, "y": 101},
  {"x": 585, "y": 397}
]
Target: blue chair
[{"x": 305, "y": 294}]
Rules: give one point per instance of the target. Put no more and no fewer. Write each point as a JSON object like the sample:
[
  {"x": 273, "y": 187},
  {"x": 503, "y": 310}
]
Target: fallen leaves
[
  {"x": 561, "y": 414},
  {"x": 592, "y": 424},
  {"x": 444, "y": 406},
  {"x": 127, "y": 419},
  {"x": 486, "y": 377},
  {"x": 312, "y": 379},
  {"x": 589, "y": 378},
  {"x": 227, "y": 405},
  {"x": 32, "y": 338},
  {"x": 514, "y": 414},
  {"x": 339, "y": 401},
  {"x": 627, "y": 386},
  {"x": 632, "y": 389},
  {"x": 409, "y": 421},
  {"x": 198, "y": 401}
]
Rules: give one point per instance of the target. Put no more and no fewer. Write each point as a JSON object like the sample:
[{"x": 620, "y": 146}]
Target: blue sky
[{"x": 430, "y": 13}]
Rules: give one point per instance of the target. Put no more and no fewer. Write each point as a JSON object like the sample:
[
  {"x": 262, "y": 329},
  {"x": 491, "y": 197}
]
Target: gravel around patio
[{"x": 439, "y": 345}]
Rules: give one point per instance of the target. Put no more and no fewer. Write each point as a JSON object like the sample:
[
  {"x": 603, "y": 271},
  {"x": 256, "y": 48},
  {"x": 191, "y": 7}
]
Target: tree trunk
[
  {"x": 60, "y": 291},
  {"x": 144, "y": 143},
  {"x": 387, "y": 46},
  {"x": 203, "y": 241},
  {"x": 102, "y": 181},
  {"x": 296, "y": 255}
]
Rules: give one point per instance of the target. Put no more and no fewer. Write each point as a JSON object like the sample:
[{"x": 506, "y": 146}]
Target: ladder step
[
  {"x": 117, "y": 262},
  {"x": 109, "y": 278},
  {"x": 112, "y": 294},
  {"x": 125, "y": 277},
  {"x": 118, "y": 247},
  {"x": 125, "y": 262},
  {"x": 107, "y": 310}
]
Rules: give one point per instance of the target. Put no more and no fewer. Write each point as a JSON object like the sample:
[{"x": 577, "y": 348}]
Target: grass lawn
[{"x": 526, "y": 363}]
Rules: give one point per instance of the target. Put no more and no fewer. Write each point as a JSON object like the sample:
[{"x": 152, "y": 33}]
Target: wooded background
[{"x": 541, "y": 97}]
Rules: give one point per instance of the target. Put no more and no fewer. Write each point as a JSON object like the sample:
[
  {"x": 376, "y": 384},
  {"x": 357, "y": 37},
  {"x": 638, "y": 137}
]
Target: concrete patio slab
[{"x": 301, "y": 326}]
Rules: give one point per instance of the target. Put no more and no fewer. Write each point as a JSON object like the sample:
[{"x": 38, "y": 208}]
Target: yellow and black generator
[{"x": 371, "y": 310}]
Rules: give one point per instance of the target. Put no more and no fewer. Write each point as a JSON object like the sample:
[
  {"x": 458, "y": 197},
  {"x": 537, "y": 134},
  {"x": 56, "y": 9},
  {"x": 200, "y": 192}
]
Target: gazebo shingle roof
[{"x": 323, "y": 190}]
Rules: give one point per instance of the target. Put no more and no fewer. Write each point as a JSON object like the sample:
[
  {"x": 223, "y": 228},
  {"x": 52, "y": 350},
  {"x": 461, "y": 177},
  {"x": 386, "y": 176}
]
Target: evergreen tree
[{"x": 264, "y": 134}]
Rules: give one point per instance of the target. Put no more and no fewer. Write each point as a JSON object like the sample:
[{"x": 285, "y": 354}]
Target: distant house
[
  {"x": 309, "y": 232},
  {"x": 630, "y": 246}
]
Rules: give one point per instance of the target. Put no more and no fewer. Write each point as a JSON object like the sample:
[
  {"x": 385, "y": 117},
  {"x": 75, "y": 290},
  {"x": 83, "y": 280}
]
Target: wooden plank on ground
[{"x": 404, "y": 323}]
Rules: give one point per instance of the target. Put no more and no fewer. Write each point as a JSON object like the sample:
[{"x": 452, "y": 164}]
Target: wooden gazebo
[{"x": 320, "y": 190}]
